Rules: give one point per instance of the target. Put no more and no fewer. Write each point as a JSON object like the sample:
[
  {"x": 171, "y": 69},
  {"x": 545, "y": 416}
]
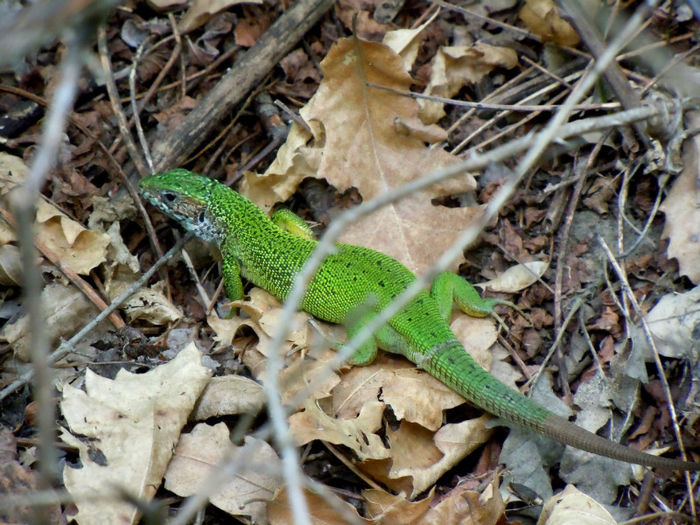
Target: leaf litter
[{"x": 394, "y": 424}]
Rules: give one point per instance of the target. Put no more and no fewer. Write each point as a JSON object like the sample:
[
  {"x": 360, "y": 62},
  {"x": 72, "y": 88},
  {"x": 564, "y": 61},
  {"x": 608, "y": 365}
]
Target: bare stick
[{"x": 24, "y": 203}]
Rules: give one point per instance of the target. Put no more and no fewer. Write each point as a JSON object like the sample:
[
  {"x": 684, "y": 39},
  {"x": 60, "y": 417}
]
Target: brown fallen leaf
[
  {"x": 453, "y": 67},
  {"x": 279, "y": 511},
  {"x": 541, "y": 17},
  {"x": 682, "y": 227},
  {"x": 245, "y": 494},
  {"x": 125, "y": 431},
  {"x": 200, "y": 11},
  {"x": 573, "y": 506},
  {"x": 356, "y": 127}
]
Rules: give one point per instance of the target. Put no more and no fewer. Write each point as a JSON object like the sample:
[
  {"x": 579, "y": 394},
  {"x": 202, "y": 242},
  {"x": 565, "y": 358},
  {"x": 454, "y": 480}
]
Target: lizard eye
[
  {"x": 201, "y": 217},
  {"x": 169, "y": 196}
]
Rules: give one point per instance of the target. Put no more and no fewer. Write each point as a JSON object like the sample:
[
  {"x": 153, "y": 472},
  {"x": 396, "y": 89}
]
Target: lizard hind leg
[
  {"x": 448, "y": 287},
  {"x": 355, "y": 320}
]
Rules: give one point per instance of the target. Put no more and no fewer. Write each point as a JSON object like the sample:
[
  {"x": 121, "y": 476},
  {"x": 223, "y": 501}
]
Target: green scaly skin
[{"x": 350, "y": 287}]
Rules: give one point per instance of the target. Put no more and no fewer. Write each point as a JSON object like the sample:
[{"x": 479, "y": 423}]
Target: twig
[
  {"x": 24, "y": 205},
  {"x": 134, "y": 106},
  {"x": 116, "y": 105},
  {"x": 523, "y": 108}
]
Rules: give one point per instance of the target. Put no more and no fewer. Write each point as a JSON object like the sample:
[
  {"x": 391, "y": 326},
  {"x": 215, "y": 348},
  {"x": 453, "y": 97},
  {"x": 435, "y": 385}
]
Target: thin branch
[{"x": 24, "y": 206}]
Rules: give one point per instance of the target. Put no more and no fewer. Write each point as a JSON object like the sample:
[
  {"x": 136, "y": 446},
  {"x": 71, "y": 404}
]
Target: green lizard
[{"x": 265, "y": 252}]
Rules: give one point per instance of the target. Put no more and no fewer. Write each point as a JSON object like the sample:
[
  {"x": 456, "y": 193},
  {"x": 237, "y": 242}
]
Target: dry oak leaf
[
  {"x": 413, "y": 394},
  {"x": 321, "y": 512},
  {"x": 682, "y": 211},
  {"x": 573, "y": 506},
  {"x": 65, "y": 310},
  {"x": 541, "y": 17},
  {"x": 76, "y": 246},
  {"x": 200, "y": 452},
  {"x": 419, "y": 457},
  {"x": 132, "y": 424},
  {"x": 358, "y": 434},
  {"x": 356, "y": 126},
  {"x": 200, "y": 11},
  {"x": 453, "y": 67}
]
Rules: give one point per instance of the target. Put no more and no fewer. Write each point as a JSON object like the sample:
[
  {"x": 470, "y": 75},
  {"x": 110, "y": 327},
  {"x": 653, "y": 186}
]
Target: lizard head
[{"x": 185, "y": 197}]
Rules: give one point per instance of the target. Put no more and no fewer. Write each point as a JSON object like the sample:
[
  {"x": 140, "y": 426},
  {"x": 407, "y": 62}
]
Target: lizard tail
[{"x": 452, "y": 365}]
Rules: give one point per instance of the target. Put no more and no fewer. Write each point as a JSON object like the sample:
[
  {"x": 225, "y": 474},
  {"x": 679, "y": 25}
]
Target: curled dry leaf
[
  {"x": 573, "y": 506},
  {"x": 419, "y": 457},
  {"x": 682, "y": 211},
  {"x": 151, "y": 304},
  {"x": 406, "y": 42},
  {"x": 125, "y": 430},
  {"x": 517, "y": 278},
  {"x": 541, "y": 17},
  {"x": 227, "y": 396},
  {"x": 200, "y": 452},
  {"x": 484, "y": 506},
  {"x": 65, "y": 308},
  {"x": 200, "y": 11},
  {"x": 76, "y": 246},
  {"x": 453, "y": 67},
  {"x": 10, "y": 265},
  {"x": 377, "y": 156}
]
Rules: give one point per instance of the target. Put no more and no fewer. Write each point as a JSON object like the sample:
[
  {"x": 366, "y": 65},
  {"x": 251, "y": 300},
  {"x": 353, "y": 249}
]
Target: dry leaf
[
  {"x": 573, "y": 506},
  {"x": 10, "y": 265},
  {"x": 422, "y": 457},
  {"x": 358, "y": 434},
  {"x": 199, "y": 452},
  {"x": 465, "y": 506},
  {"x": 227, "y": 396},
  {"x": 13, "y": 171},
  {"x": 362, "y": 147},
  {"x": 396, "y": 508},
  {"x": 200, "y": 11},
  {"x": 541, "y": 17},
  {"x": 517, "y": 278},
  {"x": 77, "y": 247},
  {"x": 20, "y": 484},
  {"x": 454, "y": 67},
  {"x": 673, "y": 322},
  {"x": 682, "y": 211},
  {"x": 132, "y": 424},
  {"x": 150, "y": 304},
  {"x": 406, "y": 42},
  {"x": 65, "y": 309},
  {"x": 279, "y": 511}
]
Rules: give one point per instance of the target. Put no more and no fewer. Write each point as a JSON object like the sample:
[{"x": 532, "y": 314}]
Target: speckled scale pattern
[{"x": 270, "y": 257}]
